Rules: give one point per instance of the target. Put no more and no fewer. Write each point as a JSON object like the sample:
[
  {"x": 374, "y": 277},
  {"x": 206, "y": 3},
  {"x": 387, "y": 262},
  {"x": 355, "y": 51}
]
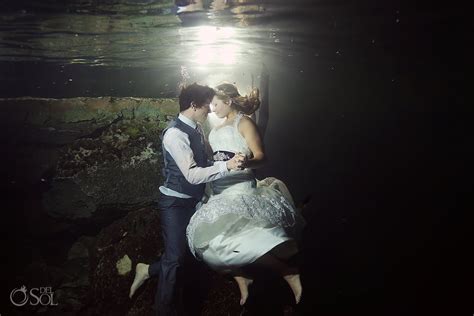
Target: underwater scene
[{"x": 228, "y": 157}]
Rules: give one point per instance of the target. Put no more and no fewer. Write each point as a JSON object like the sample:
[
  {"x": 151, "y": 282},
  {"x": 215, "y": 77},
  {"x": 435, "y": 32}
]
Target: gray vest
[{"x": 174, "y": 178}]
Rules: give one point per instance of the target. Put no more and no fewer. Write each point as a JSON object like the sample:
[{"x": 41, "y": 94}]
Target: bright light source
[
  {"x": 209, "y": 34},
  {"x": 227, "y": 54},
  {"x": 204, "y": 55},
  {"x": 213, "y": 46}
]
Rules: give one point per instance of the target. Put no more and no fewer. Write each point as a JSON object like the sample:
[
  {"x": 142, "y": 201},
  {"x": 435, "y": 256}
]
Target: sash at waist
[{"x": 235, "y": 182}]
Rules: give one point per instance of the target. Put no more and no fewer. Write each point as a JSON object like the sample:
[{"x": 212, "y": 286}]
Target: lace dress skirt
[{"x": 242, "y": 221}]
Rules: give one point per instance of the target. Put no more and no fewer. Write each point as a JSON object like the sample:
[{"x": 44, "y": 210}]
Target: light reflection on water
[
  {"x": 147, "y": 38},
  {"x": 89, "y": 39},
  {"x": 220, "y": 43}
]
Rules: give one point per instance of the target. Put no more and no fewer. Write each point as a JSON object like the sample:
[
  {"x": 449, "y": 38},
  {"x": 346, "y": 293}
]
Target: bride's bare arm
[{"x": 249, "y": 131}]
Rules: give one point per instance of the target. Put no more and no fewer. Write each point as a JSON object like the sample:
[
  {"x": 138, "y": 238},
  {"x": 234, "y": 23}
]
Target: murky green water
[{"x": 329, "y": 64}]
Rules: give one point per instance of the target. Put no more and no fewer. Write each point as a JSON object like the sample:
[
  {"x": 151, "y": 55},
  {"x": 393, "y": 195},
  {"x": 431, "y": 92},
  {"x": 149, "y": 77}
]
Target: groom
[{"x": 186, "y": 170}]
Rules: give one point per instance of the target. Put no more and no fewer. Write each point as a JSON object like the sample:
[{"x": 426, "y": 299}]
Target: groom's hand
[
  {"x": 236, "y": 162},
  {"x": 242, "y": 161}
]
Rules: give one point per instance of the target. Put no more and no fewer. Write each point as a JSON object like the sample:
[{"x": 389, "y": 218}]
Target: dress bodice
[{"x": 228, "y": 138}]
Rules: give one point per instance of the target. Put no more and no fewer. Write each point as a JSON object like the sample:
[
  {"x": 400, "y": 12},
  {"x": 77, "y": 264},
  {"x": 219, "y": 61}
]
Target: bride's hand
[
  {"x": 243, "y": 161},
  {"x": 236, "y": 162}
]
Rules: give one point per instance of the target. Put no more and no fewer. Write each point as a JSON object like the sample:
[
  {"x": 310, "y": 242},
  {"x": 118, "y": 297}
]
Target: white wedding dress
[{"x": 244, "y": 218}]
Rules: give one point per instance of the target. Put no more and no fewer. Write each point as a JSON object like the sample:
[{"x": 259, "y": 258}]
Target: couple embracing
[{"x": 243, "y": 221}]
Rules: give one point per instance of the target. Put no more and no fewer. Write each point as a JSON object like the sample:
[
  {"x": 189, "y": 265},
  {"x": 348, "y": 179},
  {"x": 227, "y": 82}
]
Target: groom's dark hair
[{"x": 200, "y": 95}]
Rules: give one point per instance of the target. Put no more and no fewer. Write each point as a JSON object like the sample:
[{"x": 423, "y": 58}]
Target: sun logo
[{"x": 21, "y": 291}]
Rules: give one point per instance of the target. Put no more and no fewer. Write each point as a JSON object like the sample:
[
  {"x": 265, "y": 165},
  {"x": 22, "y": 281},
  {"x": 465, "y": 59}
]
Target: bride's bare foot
[
  {"x": 141, "y": 275},
  {"x": 295, "y": 285},
  {"x": 244, "y": 284}
]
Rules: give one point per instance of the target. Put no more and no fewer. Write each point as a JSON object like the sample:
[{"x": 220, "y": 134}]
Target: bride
[{"x": 245, "y": 221}]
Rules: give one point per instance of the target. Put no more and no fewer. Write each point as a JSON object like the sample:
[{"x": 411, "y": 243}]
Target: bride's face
[{"x": 220, "y": 108}]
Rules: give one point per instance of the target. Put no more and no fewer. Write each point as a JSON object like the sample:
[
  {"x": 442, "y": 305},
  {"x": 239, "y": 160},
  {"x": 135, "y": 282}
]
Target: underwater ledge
[{"x": 90, "y": 152}]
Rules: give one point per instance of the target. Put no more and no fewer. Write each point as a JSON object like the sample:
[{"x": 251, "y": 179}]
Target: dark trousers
[{"x": 175, "y": 214}]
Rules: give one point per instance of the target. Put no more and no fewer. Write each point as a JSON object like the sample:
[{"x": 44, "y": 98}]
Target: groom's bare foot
[
  {"x": 141, "y": 275},
  {"x": 244, "y": 284},
  {"x": 295, "y": 285}
]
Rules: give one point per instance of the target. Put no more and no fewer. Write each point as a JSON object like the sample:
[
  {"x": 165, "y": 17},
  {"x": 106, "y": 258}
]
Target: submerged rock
[
  {"x": 121, "y": 168},
  {"x": 66, "y": 200},
  {"x": 124, "y": 265},
  {"x": 39, "y": 125},
  {"x": 78, "y": 250},
  {"x": 90, "y": 155},
  {"x": 137, "y": 237}
]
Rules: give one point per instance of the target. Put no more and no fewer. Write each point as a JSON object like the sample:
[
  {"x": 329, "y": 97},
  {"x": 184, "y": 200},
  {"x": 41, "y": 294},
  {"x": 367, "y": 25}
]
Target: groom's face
[{"x": 202, "y": 112}]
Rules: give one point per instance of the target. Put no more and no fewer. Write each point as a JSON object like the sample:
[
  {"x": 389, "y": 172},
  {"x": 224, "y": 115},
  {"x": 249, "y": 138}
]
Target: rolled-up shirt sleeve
[{"x": 177, "y": 144}]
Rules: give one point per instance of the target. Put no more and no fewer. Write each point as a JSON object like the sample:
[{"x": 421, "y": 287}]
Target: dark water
[{"x": 354, "y": 120}]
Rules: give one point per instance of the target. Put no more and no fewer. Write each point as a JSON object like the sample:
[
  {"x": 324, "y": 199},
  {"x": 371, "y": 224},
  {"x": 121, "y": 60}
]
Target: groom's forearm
[
  {"x": 177, "y": 144},
  {"x": 192, "y": 173},
  {"x": 198, "y": 175}
]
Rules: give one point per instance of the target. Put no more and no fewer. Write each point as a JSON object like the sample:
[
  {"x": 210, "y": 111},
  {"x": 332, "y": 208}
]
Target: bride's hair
[{"x": 247, "y": 104}]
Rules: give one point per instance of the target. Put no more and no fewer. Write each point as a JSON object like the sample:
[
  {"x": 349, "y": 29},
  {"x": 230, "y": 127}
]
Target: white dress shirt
[{"x": 177, "y": 144}]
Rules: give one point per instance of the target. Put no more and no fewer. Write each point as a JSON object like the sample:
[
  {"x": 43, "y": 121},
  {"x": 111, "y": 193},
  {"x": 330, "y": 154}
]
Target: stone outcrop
[{"x": 92, "y": 153}]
